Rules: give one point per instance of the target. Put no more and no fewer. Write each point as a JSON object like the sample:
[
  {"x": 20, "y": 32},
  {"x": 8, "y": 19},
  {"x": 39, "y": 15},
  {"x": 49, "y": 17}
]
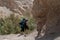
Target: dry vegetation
[{"x": 11, "y": 24}]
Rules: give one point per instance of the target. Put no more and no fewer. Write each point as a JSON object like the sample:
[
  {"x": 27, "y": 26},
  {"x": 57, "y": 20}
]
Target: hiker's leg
[{"x": 22, "y": 31}]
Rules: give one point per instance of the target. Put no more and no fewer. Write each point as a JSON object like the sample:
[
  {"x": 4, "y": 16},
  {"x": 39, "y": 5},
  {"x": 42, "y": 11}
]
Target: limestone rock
[{"x": 47, "y": 12}]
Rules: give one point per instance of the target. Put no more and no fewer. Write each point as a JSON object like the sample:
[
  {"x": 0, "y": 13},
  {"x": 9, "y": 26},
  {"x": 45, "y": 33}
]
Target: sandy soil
[{"x": 31, "y": 36}]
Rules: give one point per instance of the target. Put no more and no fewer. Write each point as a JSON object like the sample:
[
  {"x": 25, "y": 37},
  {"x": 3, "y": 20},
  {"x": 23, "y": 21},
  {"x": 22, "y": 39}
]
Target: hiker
[{"x": 23, "y": 25}]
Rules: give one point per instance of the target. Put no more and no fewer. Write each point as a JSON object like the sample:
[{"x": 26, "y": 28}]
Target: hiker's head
[{"x": 24, "y": 19}]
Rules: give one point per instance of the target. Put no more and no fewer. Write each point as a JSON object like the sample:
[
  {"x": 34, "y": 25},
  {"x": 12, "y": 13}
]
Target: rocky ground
[
  {"x": 16, "y": 37},
  {"x": 29, "y": 37}
]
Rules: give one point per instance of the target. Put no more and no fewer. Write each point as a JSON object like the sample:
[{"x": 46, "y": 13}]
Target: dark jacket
[{"x": 23, "y": 24}]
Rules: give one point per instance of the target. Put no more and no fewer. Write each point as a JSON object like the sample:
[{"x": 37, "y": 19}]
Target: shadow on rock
[{"x": 49, "y": 37}]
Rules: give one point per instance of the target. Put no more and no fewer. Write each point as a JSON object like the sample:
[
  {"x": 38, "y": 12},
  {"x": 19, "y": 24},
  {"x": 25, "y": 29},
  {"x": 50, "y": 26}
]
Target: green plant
[
  {"x": 10, "y": 25},
  {"x": 31, "y": 24}
]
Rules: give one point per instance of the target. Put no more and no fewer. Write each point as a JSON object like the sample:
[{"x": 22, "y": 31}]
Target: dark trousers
[{"x": 22, "y": 29}]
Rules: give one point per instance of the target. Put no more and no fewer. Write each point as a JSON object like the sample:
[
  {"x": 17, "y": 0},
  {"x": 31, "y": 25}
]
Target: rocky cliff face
[
  {"x": 47, "y": 15},
  {"x": 16, "y": 6}
]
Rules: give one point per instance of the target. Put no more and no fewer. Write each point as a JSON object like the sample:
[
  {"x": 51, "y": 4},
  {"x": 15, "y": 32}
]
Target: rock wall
[
  {"x": 19, "y": 7},
  {"x": 47, "y": 15}
]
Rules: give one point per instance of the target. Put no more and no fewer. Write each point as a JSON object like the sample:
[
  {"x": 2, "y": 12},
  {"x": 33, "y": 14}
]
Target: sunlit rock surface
[
  {"x": 47, "y": 15},
  {"x": 17, "y": 6}
]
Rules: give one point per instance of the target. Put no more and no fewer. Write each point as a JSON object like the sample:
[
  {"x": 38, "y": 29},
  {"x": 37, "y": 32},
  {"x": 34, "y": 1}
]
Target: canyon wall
[
  {"x": 47, "y": 15},
  {"x": 18, "y": 7}
]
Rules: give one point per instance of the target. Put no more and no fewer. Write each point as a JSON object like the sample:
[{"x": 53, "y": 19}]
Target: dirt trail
[
  {"x": 31, "y": 36},
  {"x": 22, "y": 37}
]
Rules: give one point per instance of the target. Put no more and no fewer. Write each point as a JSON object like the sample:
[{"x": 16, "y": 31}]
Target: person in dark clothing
[{"x": 23, "y": 25}]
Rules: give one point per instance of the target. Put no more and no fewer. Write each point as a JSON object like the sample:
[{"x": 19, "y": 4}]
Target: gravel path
[
  {"x": 29, "y": 37},
  {"x": 15, "y": 36}
]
